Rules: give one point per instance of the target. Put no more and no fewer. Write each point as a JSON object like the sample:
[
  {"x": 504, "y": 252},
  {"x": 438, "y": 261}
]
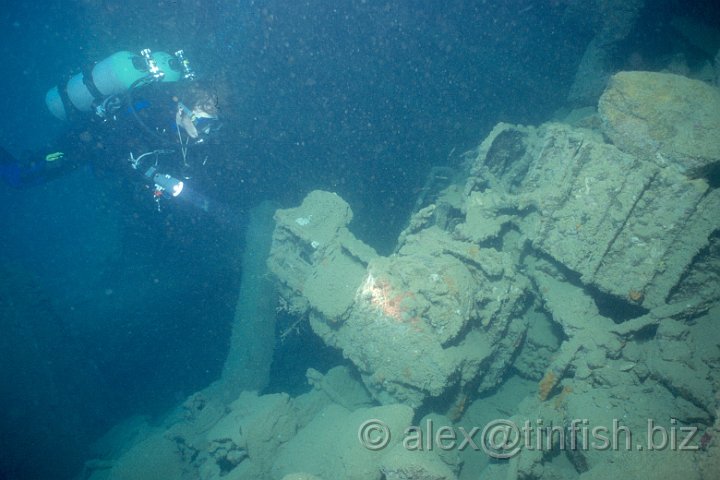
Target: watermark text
[{"x": 503, "y": 438}]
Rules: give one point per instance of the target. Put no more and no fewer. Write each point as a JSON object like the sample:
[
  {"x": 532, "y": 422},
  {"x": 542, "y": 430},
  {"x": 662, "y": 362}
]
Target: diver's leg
[{"x": 9, "y": 169}]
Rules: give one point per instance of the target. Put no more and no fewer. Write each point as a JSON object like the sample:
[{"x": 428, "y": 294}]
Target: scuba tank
[{"x": 92, "y": 88}]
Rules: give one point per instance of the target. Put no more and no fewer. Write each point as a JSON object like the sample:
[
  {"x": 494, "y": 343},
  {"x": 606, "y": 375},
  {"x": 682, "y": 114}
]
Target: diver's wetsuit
[{"x": 145, "y": 122}]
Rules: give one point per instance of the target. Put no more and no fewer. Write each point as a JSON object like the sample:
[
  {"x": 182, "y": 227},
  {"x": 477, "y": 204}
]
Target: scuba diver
[{"x": 153, "y": 93}]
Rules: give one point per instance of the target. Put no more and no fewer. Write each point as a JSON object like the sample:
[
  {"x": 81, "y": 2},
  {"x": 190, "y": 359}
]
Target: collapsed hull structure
[{"x": 560, "y": 280}]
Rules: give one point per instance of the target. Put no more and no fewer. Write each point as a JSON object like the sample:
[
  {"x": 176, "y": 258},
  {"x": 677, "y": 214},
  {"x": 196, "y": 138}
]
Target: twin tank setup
[{"x": 92, "y": 89}]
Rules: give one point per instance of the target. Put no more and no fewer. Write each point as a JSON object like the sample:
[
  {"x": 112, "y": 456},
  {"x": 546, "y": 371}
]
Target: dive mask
[{"x": 197, "y": 123}]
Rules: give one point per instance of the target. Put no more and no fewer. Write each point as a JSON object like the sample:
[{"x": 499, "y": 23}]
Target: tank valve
[
  {"x": 153, "y": 68},
  {"x": 189, "y": 74}
]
